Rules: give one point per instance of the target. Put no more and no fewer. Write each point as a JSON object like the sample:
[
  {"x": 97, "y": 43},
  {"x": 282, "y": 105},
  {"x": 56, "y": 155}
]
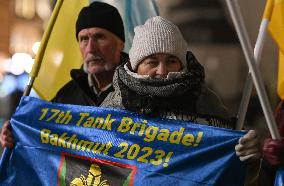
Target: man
[{"x": 100, "y": 35}]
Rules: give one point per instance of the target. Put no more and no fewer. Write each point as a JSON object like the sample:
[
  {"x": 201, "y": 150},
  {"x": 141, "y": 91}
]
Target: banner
[{"x": 57, "y": 144}]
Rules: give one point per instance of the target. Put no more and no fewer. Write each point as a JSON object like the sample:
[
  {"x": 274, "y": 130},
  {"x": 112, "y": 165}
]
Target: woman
[{"x": 163, "y": 80}]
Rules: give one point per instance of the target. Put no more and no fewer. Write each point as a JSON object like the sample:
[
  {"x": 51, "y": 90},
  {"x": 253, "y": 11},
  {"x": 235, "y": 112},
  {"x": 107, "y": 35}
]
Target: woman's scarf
[{"x": 149, "y": 95}]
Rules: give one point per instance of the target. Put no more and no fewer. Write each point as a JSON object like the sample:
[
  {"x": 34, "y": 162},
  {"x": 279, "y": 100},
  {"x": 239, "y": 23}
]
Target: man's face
[
  {"x": 159, "y": 65},
  {"x": 100, "y": 50}
]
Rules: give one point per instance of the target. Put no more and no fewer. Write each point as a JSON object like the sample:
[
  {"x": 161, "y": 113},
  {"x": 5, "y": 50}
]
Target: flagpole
[
  {"x": 257, "y": 54},
  {"x": 36, "y": 66},
  {"x": 249, "y": 55}
]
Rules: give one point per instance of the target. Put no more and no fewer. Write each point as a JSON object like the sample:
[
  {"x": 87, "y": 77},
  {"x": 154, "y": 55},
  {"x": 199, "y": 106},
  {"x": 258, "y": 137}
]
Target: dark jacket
[{"x": 78, "y": 92}]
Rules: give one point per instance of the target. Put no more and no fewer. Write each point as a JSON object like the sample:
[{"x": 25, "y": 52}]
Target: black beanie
[{"x": 101, "y": 15}]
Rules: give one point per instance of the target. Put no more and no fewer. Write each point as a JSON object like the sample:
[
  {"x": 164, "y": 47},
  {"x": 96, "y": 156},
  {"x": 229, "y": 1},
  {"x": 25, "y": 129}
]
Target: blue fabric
[
  {"x": 279, "y": 179},
  {"x": 191, "y": 154},
  {"x": 134, "y": 13}
]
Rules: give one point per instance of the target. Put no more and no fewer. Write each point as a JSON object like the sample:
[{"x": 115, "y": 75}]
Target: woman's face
[{"x": 159, "y": 65}]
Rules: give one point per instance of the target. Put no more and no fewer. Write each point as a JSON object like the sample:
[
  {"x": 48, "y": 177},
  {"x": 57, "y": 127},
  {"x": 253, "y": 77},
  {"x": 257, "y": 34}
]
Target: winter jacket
[
  {"x": 182, "y": 95},
  {"x": 78, "y": 92}
]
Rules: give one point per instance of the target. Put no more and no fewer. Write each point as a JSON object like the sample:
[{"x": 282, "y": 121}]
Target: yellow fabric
[
  {"x": 44, "y": 40},
  {"x": 276, "y": 29},
  {"x": 280, "y": 84},
  {"x": 62, "y": 51}
]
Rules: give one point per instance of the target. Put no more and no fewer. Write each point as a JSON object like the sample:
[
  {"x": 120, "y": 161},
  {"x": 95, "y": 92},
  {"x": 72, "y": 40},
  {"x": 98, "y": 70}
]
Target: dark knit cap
[{"x": 101, "y": 15}]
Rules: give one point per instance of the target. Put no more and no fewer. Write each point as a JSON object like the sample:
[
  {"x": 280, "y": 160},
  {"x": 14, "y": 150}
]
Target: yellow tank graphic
[{"x": 93, "y": 178}]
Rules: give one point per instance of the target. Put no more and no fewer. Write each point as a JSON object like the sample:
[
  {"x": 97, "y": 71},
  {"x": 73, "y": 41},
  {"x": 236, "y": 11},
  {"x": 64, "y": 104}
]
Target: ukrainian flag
[
  {"x": 59, "y": 51},
  {"x": 276, "y": 29}
]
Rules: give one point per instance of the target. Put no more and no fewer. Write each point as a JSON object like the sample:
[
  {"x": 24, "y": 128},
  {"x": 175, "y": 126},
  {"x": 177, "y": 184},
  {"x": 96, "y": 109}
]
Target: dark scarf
[{"x": 151, "y": 96}]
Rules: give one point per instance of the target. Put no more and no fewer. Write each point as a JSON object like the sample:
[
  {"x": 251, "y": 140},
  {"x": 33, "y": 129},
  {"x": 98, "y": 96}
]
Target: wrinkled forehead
[{"x": 93, "y": 31}]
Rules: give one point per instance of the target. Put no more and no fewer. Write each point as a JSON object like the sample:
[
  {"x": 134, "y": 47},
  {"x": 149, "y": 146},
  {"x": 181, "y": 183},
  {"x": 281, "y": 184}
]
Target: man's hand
[
  {"x": 248, "y": 147},
  {"x": 6, "y": 138},
  {"x": 273, "y": 151}
]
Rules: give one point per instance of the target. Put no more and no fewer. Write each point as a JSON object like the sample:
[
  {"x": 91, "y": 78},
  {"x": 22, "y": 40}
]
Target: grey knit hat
[{"x": 157, "y": 35}]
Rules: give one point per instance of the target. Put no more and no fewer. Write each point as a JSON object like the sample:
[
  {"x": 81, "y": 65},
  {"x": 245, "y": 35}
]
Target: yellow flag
[
  {"x": 62, "y": 51},
  {"x": 276, "y": 29},
  {"x": 280, "y": 84}
]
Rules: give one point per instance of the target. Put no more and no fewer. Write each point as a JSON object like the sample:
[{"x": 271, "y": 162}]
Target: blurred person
[
  {"x": 273, "y": 149},
  {"x": 100, "y": 36}
]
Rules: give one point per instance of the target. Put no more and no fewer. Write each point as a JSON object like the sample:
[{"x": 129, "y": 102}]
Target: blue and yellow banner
[{"x": 59, "y": 144}]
